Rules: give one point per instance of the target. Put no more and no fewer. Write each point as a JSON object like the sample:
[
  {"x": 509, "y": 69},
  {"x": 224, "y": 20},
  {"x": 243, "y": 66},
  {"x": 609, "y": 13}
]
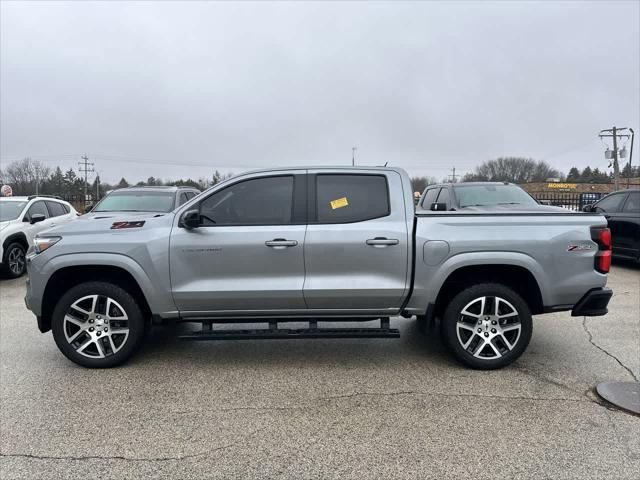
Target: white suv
[{"x": 21, "y": 218}]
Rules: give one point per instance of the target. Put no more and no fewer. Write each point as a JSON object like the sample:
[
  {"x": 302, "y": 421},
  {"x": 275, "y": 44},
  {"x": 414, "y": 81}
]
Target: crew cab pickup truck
[{"x": 316, "y": 245}]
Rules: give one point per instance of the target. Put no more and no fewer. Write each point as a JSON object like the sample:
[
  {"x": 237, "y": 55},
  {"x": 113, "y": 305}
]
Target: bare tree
[
  {"x": 512, "y": 169},
  {"x": 26, "y": 175}
]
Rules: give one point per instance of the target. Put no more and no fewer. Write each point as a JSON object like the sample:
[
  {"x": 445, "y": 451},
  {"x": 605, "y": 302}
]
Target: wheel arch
[
  {"x": 18, "y": 237},
  {"x": 68, "y": 277},
  {"x": 517, "y": 277}
]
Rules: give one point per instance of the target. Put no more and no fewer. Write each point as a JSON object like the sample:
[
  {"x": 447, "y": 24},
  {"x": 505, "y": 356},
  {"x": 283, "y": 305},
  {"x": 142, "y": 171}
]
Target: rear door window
[
  {"x": 351, "y": 198},
  {"x": 633, "y": 203},
  {"x": 56, "y": 209}
]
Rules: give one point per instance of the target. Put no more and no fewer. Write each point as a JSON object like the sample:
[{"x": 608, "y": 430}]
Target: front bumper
[{"x": 593, "y": 303}]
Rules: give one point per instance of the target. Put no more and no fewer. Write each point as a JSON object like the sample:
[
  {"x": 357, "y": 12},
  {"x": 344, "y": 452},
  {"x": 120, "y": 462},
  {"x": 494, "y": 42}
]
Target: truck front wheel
[
  {"x": 487, "y": 326},
  {"x": 97, "y": 325}
]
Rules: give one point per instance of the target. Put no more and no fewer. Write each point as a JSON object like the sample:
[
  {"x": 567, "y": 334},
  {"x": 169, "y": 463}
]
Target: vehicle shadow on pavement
[{"x": 163, "y": 344}]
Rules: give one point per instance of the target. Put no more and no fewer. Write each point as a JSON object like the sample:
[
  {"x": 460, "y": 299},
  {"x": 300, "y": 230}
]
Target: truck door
[
  {"x": 246, "y": 256},
  {"x": 357, "y": 242}
]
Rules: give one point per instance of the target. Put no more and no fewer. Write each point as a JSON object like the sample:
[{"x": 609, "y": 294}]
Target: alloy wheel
[
  {"x": 488, "y": 327},
  {"x": 16, "y": 260},
  {"x": 96, "y": 326}
]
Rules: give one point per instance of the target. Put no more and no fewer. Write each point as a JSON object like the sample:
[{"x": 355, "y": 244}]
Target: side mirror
[
  {"x": 88, "y": 208},
  {"x": 438, "y": 207},
  {"x": 190, "y": 219},
  {"x": 37, "y": 217},
  {"x": 588, "y": 208}
]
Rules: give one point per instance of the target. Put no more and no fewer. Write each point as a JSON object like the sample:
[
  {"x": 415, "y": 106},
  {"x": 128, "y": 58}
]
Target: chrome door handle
[
  {"x": 382, "y": 241},
  {"x": 281, "y": 243}
]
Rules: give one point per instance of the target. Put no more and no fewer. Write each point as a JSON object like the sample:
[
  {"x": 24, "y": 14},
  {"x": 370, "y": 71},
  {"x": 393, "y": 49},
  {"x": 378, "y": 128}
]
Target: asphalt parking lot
[{"x": 323, "y": 408}]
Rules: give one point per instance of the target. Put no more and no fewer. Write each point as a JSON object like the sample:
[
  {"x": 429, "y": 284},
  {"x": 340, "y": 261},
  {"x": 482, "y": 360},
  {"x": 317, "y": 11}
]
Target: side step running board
[{"x": 273, "y": 332}]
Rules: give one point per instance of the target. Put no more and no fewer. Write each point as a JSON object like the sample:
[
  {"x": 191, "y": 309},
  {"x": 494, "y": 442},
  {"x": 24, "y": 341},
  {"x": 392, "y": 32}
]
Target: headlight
[{"x": 40, "y": 244}]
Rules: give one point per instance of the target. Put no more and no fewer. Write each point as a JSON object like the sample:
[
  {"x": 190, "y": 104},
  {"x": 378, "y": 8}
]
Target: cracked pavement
[{"x": 366, "y": 408}]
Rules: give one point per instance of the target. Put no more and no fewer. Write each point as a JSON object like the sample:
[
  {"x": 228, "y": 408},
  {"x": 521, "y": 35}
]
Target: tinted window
[
  {"x": 183, "y": 198},
  {"x": 351, "y": 198},
  {"x": 38, "y": 208},
  {"x": 261, "y": 201},
  {"x": 190, "y": 195},
  {"x": 56, "y": 209},
  {"x": 137, "y": 201},
  {"x": 482, "y": 195},
  {"x": 610, "y": 203},
  {"x": 633, "y": 203},
  {"x": 444, "y": 197},
  {"x": 430, "y": 197}
]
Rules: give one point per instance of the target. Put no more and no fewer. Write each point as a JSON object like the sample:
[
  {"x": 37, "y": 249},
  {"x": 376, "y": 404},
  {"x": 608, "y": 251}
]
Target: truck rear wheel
[
  {"x": 487, "y": 326},
  {"x": 97, "y": 325}
]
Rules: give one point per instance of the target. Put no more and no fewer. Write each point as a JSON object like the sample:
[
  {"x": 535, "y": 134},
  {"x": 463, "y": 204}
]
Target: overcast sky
[{"x": 179, "y": 89}]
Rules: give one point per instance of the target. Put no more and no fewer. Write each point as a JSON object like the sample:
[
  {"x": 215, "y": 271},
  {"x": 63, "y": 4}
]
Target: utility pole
[
  {"x": 353, "y": 156},
  {"x": 615, "y": 134},
  {"x": 616, "y": 166},
  {"x": 633, "y": 137},
  {"x": 86, "y": 167},
  {"x": 453, "y": 175}
]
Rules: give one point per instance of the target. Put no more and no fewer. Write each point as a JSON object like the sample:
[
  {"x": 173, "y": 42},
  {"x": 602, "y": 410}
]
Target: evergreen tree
[{"x": 574, "y": 175}]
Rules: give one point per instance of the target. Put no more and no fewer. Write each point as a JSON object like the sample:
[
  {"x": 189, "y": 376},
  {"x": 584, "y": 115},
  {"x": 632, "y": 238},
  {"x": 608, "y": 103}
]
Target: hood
[
  {"x": 516, "y": 209},
  {"x": 101, "y": 222},
  {"x": 122, "y": 215},
  {"x": 4, "y": 225}
]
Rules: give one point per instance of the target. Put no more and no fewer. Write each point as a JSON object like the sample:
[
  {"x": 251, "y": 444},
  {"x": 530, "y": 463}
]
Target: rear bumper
[{"x": 593, "y": 303}]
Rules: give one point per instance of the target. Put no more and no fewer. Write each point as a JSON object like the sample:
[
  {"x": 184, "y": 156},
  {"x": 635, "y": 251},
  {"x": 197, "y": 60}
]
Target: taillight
[{"x": 602, "y": 236}]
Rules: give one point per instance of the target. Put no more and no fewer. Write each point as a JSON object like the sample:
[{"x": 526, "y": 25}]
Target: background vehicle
[
  {"x": 454, "y": 196},
  {"x": 145, "y": 199},
  {"x": 21, "y": 218},
  {"x": 317, "y": 244},
  {"x": 622, "y": 211}
]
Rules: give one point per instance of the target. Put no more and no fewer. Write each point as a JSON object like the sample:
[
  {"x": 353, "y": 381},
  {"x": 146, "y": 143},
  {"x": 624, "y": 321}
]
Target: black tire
[
  {"x": 12, "y": 249},
  {"x": 128, "y": 346},
  {"x": 505, "y": 346}
]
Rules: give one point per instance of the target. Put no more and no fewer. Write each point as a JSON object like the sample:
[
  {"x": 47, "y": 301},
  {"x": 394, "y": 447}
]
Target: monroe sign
[{"x": 563, "y": 186}]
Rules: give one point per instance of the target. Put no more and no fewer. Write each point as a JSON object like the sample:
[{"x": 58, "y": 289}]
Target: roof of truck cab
[
  {"x": 323, "y": 167},
  {"x": 159, "y": 188}
]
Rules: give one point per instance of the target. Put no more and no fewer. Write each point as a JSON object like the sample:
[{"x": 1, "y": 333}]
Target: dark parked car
[
  {"x": 144, "y": 199},
  {"x": 456, "y": 196},
  {"x": 622, "y": 211}
]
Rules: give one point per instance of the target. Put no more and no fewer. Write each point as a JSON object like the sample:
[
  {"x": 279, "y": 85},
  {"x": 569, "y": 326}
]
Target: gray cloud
[{"x": 178, "y": 89}]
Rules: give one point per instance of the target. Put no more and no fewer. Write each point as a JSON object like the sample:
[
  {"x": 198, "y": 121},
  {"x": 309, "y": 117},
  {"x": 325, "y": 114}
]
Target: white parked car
[{"x": 21, "y": 218}]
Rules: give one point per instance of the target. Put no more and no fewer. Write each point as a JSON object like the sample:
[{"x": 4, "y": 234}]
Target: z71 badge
[{"x": 583, "y": 247}]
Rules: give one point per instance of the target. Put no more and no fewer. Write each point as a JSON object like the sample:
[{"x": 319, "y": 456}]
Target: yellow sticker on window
[{"x": 339, "y": 203}]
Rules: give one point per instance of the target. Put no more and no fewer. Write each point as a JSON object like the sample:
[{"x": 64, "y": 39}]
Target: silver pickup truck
[{"x": 315, "y": 245}]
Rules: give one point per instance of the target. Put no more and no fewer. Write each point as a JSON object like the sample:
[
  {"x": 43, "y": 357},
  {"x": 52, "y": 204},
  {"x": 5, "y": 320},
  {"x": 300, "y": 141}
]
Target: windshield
[
  {"x": 10, "y": 209},
  {"x": 483, "y": 195},
  {"x": 137, "y": 202}
]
